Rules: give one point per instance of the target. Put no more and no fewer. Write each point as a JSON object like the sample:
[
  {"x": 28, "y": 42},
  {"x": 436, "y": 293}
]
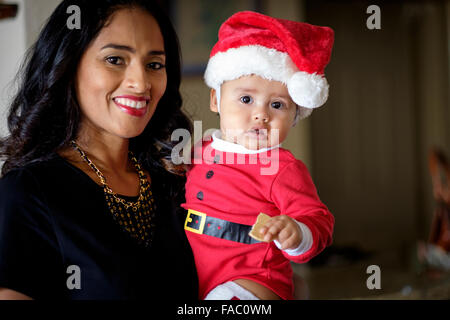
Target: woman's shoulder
[
  {"x": 22, "y": 197},
  {"x": 35, "y": 167},
  {"x": 30, "y": 178},
  {"x": 40, "y": 190},
  {"x": 18, "y": 180}
]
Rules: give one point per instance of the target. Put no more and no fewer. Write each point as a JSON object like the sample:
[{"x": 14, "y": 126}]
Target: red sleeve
[{"x": 294, "y": 193}]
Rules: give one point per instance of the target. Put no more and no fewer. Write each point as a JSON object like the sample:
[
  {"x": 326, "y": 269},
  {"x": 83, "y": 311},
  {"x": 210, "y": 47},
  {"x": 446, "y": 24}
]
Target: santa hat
[{"x": 293, "y": 53}]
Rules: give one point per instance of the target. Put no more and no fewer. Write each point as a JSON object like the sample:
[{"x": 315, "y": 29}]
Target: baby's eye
[
  {"x": 276, "y": 105},
  {"x": 246, "y": 99},
  {"x": 156, "y": 65},
  {"x": 114, "y": 60}
]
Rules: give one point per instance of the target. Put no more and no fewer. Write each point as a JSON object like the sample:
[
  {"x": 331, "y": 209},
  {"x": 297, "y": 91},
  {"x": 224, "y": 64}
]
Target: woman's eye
[
  {"x": 246, "y": 99},
  {"x": 277, "y": 105},
  {"x": 156, "y": 65},
  {"x": 114, "y": 60}
]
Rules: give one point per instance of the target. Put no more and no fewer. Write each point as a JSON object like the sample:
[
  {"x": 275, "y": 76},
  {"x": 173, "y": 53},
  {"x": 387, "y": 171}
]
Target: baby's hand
[{"x": 285, "y": 230}]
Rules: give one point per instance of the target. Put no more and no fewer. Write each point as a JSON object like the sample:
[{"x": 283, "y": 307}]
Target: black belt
[{"x": 199, "y": 222}]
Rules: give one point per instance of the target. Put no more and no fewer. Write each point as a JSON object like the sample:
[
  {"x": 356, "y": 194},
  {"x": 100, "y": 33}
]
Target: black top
[{"x": 53, "y": 216}]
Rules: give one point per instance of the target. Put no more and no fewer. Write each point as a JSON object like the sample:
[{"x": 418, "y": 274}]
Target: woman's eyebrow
[{"x": 132, "y": 50}]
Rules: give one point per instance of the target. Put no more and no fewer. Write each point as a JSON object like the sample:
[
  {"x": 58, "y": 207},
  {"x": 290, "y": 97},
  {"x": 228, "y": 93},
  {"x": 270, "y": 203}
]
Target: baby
[{"x": 265, "y": 75}]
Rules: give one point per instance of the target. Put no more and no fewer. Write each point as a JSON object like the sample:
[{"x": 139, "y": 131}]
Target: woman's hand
[
  {"x": 7, "y": 294},
  {"x": 285, "y": 230}
]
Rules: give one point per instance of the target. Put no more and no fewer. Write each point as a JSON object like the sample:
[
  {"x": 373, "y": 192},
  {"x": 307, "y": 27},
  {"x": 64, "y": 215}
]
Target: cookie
[{"x": 260, "y": 222}]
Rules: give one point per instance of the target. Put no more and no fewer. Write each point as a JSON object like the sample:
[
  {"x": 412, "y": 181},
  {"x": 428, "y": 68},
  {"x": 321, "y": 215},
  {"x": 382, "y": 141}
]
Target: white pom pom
[{"x": 308, "y": 90}]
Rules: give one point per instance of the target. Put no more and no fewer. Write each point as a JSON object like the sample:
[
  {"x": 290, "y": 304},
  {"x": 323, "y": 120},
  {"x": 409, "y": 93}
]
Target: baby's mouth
[{"x": 258, "y": 132}]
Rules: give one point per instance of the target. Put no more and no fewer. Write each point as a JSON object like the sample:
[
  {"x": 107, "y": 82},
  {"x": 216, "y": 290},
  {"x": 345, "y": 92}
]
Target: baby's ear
[{"x": 213, "y": 101}]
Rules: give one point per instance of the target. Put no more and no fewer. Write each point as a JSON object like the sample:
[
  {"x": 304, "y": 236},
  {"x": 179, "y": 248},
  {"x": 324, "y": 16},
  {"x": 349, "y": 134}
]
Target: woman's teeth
[{"x": 131, "y": 103}]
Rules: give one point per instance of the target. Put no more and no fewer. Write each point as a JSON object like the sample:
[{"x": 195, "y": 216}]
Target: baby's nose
[{"x": 261, "y": 115}]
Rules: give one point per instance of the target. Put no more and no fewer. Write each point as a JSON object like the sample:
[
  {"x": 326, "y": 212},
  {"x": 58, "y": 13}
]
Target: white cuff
[{"x": 304, "y": 246}]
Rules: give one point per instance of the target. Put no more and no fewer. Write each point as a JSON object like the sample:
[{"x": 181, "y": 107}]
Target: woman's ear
[{"x": 213, "y": 101}]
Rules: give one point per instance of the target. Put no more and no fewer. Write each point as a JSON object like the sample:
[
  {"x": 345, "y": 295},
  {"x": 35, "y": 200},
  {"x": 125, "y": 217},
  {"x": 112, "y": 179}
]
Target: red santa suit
[{"x": 236, "y": 187}]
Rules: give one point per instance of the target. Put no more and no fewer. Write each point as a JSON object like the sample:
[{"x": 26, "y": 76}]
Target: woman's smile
[{"x": 133, "y": 105}]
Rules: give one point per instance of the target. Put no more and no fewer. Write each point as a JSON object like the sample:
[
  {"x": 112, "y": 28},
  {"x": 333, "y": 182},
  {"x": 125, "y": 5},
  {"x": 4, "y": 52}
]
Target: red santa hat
[{"x": 293, "y": 53}]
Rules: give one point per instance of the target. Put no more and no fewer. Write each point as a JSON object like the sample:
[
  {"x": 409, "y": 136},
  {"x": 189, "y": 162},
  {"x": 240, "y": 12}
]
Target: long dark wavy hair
[{"x": 45, "y": 115}]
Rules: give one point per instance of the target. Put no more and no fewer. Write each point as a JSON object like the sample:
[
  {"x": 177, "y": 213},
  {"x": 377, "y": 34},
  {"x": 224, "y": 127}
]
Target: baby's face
[{"x": 254, "y": 112}]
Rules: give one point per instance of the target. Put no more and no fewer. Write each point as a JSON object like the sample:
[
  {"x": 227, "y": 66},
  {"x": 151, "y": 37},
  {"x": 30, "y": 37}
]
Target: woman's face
[{"x": 121, "y": 76}]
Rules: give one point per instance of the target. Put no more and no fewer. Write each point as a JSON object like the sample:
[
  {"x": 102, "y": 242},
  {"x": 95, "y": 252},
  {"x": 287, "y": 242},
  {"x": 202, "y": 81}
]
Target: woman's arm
[{"x": 7, "y": 294}]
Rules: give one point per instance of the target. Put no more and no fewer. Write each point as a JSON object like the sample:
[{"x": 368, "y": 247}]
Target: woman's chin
[{"x": 128, "y": 133}]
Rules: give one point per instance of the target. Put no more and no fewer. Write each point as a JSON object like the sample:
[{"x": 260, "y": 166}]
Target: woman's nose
[{"x": 137, "y": 78}]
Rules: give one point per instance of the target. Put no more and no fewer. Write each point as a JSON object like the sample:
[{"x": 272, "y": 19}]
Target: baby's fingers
[
  {"x": 284, "y": 235},
  {"x": 273, "y": 229},
  {"x": 266, "y": 227},
  {"x": 289, "y": 243}
]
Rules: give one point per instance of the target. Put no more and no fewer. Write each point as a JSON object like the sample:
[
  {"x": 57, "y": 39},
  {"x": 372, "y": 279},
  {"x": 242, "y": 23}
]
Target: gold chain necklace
[{"x": 136, "y": 218}]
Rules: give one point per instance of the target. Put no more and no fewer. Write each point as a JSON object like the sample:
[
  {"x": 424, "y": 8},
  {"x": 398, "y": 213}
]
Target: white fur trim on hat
[
  {"x": 237, "y": 62},
  {"x": 306, "y": 90}
]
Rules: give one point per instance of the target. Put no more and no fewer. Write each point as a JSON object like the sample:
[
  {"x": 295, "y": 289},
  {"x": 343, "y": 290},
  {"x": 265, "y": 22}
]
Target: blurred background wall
[
  {"x": 367, "y": 147},
  {"x": 16, "y": 36},
  {"x": 388, "y": 106}
]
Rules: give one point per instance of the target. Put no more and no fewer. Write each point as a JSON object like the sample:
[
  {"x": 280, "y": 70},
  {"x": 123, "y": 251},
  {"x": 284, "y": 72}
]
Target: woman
[{"x": 80, "y": 216}]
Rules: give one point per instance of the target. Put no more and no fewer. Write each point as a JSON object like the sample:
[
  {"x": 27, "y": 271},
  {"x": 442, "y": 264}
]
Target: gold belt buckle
[{"x": 202, "y": 217}]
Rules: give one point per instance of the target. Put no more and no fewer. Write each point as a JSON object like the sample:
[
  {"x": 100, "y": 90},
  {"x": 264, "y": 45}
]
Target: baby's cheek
[{"x": 277, "y": 136}]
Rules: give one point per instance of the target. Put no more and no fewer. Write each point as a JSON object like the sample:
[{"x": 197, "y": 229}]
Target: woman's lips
[
  {"x": 132, "y": 105},
  {"x": 135, "y": 98}
]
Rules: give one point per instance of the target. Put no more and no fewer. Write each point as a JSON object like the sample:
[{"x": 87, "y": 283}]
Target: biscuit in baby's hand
[{"x": 260, "y": 222}]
